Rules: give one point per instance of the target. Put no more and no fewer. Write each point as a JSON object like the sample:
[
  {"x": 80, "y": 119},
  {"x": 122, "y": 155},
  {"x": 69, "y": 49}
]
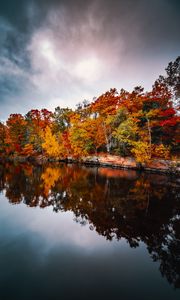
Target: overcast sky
[{"x": 58, "y": 53}]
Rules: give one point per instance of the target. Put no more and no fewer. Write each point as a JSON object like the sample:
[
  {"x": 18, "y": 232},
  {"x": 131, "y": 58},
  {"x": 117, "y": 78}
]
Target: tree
[
  {"x": 37, "y": 121},
  {"x": 83, "y": 109},
  {"x": 106, "y": 104},
  {"x": 52, "y": 144},
  {"x": 172, "y": 80},
  {"x": 3, "y": 130},
  {"x": 61, "y": 117},
  {"x": 78, "y": 135},
  {"x": 16, "y": 135}
]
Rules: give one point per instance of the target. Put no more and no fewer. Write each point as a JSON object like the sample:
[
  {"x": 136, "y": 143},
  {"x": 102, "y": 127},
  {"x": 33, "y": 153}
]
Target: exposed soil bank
[{"x": 113, "y": 161}]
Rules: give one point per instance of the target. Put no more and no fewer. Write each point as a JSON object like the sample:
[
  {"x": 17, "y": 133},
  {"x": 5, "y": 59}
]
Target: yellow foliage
[
  {"x": 161, "y": 151},
  {"x": 78, "y": 139},
  {"x": 53, "y": 145},
  {"x": 49, "y": 177},
  {"x": 141, "y": 151}
]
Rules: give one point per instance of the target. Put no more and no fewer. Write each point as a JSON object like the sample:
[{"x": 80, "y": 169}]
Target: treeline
[{"x": 138, "y": 123}]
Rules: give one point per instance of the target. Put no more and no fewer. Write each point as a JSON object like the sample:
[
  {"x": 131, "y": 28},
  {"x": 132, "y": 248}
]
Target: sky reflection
[
  {"x": 48, "y": 249},
  {"x": 54, "y": 229}
]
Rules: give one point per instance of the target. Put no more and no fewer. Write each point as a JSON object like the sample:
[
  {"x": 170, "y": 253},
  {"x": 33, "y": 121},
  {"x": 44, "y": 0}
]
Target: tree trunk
[
  {"x": 106, "y": 137},
  {"x": 150, "y": 138}
]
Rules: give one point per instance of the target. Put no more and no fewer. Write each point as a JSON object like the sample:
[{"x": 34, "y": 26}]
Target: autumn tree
[
  {"x": 172, "y": 80},
  {"x": 78, "y": 136},
  {"x": 16, "y": 135},
  {"x": 37, "y": 121},
  {"x": 53, "y": 144},
  {"x": 104, "y": 106},
  {"x": 124, "y": 130},
  {"x": 61, "y": 118},
  {"x": 138, "y": 123},
  {"x": 3, "y": 131},
  {"x": 83, "y": 109}
]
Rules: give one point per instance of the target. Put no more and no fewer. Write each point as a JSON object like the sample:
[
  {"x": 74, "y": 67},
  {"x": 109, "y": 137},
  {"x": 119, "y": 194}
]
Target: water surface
[{"x": 71, "y": 232}]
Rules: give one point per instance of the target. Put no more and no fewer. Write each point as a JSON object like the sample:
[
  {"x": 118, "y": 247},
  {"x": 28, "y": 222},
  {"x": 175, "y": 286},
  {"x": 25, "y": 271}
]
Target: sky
[{"x": 58, "y": 53}]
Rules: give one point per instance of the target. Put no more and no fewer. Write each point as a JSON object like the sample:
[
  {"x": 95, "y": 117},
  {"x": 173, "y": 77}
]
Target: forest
[{"x": 141, "y": 124}]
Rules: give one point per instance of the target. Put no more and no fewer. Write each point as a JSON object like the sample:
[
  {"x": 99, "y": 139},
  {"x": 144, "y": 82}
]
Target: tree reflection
[{"x": 116, "y": 203}]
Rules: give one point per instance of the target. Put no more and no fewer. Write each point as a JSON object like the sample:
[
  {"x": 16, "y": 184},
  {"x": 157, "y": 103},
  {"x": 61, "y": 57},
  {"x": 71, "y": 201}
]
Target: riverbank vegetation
[{"x": 137, "y": 123}]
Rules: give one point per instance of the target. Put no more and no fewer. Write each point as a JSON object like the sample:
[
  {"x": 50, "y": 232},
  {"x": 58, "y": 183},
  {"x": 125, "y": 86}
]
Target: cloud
[{"x": 65, "y": 51}]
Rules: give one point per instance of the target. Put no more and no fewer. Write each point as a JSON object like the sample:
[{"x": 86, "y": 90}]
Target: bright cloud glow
[
  {"x": 43, "y": 52},
  {"x": 88, "y": 69},
  {"x": 48, "y": 52}
]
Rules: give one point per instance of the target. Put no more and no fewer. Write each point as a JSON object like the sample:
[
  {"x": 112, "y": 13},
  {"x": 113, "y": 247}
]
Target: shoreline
[{"x": 111, "y": 161}]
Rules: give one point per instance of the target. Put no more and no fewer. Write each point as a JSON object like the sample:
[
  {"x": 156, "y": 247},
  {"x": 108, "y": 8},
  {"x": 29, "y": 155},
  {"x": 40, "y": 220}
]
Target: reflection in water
[{"x": 116, "y": 203}]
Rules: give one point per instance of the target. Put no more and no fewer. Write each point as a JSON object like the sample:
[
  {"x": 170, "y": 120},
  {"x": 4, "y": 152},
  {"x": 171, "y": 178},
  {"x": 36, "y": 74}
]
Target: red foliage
[
  {"x": 170, "y": 122},
  {"x": 168, "y": 112}
]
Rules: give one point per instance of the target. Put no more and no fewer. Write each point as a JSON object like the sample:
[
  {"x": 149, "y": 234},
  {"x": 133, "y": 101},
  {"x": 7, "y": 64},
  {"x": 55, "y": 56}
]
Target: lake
[{"x": 76, "y": 232}]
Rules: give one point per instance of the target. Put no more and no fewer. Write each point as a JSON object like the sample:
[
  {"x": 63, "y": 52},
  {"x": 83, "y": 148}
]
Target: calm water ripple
[{"x": 71, "y": 232}]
